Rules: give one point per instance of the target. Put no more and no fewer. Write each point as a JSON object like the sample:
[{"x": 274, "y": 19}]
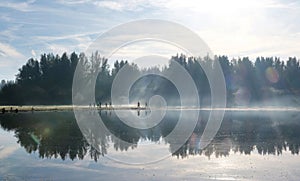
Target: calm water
[{"x": 256, "y": 145}]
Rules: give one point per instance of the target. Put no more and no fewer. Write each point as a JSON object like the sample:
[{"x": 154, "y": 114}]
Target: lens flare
[
  {"x": 272, "y": 75},
  {"x": 173, "y": 35}
]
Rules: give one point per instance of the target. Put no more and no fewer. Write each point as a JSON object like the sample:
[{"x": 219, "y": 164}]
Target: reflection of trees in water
[
  {"x": 51, "y": 134},
  {"x": 244, "y": 134},
  {"x": 55, "y": 135}
]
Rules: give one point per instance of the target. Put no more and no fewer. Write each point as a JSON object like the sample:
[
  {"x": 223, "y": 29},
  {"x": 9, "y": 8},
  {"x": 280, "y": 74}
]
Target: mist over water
[{"x": 151, "y": 85}]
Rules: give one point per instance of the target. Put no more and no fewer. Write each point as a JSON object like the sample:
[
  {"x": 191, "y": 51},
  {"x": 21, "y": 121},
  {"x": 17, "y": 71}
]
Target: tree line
[{"x": 49, "y": 79}]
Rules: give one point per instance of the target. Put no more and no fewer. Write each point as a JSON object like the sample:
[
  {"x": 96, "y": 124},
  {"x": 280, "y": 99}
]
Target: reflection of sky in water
[
  {"x": 7, "y": 144},
  {"x": 17, "y": 164},
  {"x": 234, "y": 167}
]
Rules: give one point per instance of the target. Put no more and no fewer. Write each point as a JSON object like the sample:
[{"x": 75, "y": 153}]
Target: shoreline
[{"x": 35, "y": 108}]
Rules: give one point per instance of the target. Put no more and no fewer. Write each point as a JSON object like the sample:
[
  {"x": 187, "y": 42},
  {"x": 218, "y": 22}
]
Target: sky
[{"x": 235, "y": 28}]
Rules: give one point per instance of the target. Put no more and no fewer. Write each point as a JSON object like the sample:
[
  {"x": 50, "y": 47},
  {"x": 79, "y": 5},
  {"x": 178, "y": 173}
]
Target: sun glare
[{"x": 219, "y": 6}]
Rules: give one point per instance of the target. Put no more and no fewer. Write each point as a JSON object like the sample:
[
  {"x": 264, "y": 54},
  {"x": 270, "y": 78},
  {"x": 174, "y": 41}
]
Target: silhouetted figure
[
  {"x": 100, "y": 104},
  {"x": 110, "y": 105},
  {"x": 11, "y": 109},
  {"x": 32, "y": 109},
  {"x": 16, "y": 111},
  {"x": 106, "y": 104},
  {"x": 138, "y": 104},
  {"x": 3, "y": 110},
  {"x": 146, "y": 104}
]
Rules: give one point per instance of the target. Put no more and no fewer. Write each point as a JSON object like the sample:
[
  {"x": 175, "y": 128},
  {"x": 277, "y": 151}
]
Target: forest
[{"x": 48, "y": 81}]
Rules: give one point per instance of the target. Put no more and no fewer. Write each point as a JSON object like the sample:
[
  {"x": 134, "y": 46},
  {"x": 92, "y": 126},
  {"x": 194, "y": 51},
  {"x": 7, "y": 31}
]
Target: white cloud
[
  {"x": 20, "y": 6},
  {"x": 58, "y": 48},
  {"x": 110, "y": 4},
  {"x": 241, "y": 28},
  {"x": 69, "y": 43},
  {"x": 9, "y": 52},
  {"x": 33, "y": 53},
  {"x": 68, "y": 36},
  {"x": 78, "y": 44},
  {"x": 116, "y": 5},
  {"x": 138, "y": 50},
  {"x": 73, "y": 1},
  {"x": 5, "y": 18},
  {"x": 83, "y": 42},
  {"x": 10, "y": 61},
  {"x": 10, "y": 32}
]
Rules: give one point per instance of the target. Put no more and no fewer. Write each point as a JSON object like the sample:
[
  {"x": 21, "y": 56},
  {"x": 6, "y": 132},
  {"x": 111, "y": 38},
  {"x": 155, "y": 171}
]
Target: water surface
[{"x": 256, "y": 145}]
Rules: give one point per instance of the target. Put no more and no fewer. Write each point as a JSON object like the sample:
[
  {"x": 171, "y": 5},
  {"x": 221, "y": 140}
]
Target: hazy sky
[{"x": 232, "y": 27}]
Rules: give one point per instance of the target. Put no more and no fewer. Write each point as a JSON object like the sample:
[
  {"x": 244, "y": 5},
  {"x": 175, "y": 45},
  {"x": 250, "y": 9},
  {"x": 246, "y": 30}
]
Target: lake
[{"x": 250, "y": 145}]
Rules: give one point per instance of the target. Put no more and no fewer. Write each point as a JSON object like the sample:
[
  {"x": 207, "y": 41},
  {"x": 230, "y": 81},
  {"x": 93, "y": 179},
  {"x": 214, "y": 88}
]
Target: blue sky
[{"x": 233, "y": 27}]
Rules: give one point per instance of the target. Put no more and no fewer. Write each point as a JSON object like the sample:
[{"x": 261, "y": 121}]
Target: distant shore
[{"x": 34, "y": 108}]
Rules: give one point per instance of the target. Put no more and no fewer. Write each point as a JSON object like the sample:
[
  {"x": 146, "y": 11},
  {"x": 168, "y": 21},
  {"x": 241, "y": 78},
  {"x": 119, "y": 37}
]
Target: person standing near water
[{"x": 138, "y": 104}]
